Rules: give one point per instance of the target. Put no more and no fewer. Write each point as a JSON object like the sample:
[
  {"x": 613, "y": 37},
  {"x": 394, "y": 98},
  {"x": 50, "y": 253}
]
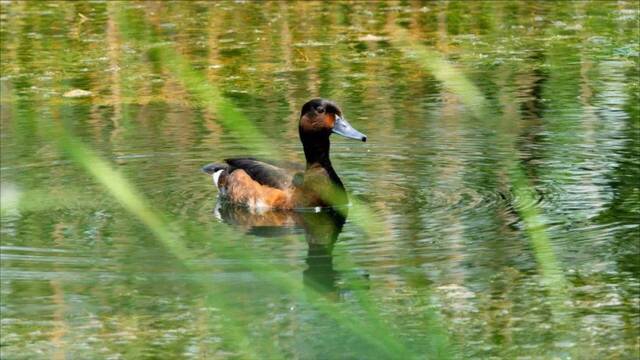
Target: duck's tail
[{"x": 217, "y": 171}]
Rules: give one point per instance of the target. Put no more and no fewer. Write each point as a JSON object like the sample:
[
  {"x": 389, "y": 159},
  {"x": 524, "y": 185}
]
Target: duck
[{"x": 265, "y": 185}]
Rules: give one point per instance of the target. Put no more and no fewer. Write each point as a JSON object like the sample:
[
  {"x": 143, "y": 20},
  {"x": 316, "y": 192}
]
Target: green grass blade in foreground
[
  {"x": 536, "y": 230},
  {"x": 453, "y": 79},
  {"x": 373, "y": 333},
  {"x": 374, "y": 227},
  {"x": 373, "y": 329},
  {"x": 201, "y": 91},
  {"x": 232, "y": 119},
  {"x": 134, "y": 203},
  {"x": 237, "y": 124},
  {"x": 443, "y": 71}
]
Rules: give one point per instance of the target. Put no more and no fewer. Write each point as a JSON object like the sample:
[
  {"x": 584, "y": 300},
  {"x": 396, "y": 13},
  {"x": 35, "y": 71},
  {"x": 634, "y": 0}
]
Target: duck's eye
[{"x": 320, "y": 110}]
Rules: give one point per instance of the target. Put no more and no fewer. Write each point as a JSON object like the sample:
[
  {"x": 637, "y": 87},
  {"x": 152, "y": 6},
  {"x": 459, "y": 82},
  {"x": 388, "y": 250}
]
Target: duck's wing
[{"x": 263, "y": 172}]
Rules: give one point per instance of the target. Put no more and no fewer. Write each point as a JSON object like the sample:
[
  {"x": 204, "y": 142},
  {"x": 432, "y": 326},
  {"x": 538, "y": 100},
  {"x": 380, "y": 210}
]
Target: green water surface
[{"x": 496, "y": 202}]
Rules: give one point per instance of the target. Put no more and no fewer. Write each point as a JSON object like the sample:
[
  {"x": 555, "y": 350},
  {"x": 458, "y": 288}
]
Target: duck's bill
[{"x": 342, "y": 127}]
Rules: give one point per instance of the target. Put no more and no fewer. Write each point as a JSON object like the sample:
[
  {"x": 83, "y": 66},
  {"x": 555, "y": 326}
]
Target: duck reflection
[{"x": 321, "y": 230}]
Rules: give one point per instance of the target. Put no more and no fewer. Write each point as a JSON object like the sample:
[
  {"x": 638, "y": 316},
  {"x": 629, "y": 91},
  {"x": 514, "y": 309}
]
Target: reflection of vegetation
[
  {"x": 170, "y": 79},
  {"x": 370, "y": 330},
  {"x": 126, "y": 195},
  {"x": 476, "y": 104}
]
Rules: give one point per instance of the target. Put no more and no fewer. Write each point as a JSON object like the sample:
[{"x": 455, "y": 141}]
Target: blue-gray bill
[{"x": 342, "y": 127}]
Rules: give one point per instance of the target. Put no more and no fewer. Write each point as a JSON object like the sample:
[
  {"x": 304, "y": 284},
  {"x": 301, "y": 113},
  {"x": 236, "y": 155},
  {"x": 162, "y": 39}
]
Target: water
[{"x": 449, "y": 255}]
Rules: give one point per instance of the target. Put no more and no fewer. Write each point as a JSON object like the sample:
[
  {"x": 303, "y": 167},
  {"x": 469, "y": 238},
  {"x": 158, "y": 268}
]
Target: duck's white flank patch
[
  {"x": 317, "y": 209},
  {"x": 258, "y": 206},
  {"x": 261, "y": 205},
  {"x": 216, "y": 211},
  {"x": 216, "y": 176}
]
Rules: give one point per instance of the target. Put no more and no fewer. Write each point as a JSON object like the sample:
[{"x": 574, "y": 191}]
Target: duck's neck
[{"x": 316, "y": 151}]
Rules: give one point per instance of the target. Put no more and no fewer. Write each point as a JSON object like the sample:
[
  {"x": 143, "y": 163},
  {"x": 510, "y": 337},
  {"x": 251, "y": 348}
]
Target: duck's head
[{"x": 320, "y": 118}]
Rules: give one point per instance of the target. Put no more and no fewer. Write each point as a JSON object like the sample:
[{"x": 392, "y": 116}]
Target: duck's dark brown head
[{"x": 320, "y": 118}]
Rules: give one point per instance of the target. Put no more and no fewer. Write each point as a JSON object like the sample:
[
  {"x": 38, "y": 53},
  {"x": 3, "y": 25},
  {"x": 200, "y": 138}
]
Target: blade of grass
[
  {"x": 236, "y": 123},
  {"x": 134, "y": 203},
  {"x": 370, "y": 331},
  {"x": 202, "y": 92},
  {"x": 454, "y": 79}
]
